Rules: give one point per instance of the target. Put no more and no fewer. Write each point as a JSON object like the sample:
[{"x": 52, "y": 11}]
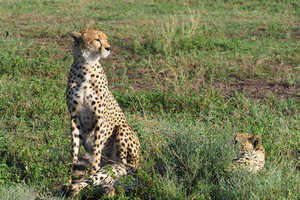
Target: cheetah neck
[
  {"x": 85, "y": 56},
  {"x": 87, "y": 70}
]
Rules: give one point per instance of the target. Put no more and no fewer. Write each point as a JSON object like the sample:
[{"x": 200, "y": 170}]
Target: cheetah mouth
[{"x": 105, "y": 55}]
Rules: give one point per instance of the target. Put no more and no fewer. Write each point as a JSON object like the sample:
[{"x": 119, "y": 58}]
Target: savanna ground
[{"x": 188, "y": 74}]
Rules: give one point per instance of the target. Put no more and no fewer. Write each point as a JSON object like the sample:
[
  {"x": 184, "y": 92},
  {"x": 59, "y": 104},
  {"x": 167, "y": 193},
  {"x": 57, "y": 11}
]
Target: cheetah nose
[{"x": 108, "y": 48}]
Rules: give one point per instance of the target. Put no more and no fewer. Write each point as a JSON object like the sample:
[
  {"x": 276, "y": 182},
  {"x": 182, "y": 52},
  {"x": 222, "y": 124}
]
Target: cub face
[
  {"x": 248, "y": 142},
  {"x": 92, "y": 43}
]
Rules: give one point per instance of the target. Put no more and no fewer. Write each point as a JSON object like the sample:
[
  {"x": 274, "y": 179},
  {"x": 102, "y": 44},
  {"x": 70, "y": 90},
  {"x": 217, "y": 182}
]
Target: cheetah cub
[
  {"x": 251, "y": 152},
  {"x": 97, "y": 122}
]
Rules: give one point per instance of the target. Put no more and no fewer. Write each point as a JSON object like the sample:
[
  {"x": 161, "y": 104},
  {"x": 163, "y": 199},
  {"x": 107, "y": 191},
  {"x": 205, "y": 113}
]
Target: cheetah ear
[
  {"x": 256, "y": 141},
  {"x": 234, "y": 138},
  {"x": 76, "y": 36}
]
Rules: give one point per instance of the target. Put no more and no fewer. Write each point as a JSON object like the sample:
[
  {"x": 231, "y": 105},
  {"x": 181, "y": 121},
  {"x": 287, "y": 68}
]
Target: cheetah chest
[
  {"x": 252, "y": 160},
  {"x": 84, "y": 102},
  {"x": 81, "y": 106}
]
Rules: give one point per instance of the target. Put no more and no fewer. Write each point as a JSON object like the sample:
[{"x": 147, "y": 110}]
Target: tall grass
[{"x": 189, "y": 161}]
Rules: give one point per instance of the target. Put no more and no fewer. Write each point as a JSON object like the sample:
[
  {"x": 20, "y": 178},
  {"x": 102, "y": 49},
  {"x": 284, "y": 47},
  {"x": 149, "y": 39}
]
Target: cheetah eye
[{"x": 98, "y": 40}]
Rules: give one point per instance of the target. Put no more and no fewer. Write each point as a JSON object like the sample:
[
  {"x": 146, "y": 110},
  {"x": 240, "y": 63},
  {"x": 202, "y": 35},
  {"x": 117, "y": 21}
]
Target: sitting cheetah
[
  {"x": 97, "y": 121},
  {"x": 252, "y": 153}
]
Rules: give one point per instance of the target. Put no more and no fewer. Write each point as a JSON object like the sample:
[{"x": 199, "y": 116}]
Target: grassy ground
[{"x": 188, "y": 74}]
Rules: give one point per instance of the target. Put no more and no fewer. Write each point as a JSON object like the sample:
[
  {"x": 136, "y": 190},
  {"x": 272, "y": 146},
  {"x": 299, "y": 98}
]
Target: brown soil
[
  {"x": 259, "y": 89},
  {"x": 253, "y": 89}
]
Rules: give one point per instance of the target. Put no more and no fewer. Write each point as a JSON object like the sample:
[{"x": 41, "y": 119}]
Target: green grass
[{"x": 188, "y": 74}]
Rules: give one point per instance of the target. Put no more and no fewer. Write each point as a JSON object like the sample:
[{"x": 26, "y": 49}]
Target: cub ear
[
  {"x": 235, "y": 138},
  {"x": 256, "y": 141},
  {"x": 76, "y": 36}
]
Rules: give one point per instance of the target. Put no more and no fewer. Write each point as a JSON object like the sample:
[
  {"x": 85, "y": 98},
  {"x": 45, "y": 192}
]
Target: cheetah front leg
[
  {"x": 74, "y": 189},
  {"x": 101, "y": 136},
  {"x": 75, "y": 131}
]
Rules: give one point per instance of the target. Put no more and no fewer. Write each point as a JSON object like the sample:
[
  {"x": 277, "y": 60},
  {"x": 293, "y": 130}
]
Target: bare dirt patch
[
  {"x": 259, "y": 89},
  {"x": 253, "y": 89}
]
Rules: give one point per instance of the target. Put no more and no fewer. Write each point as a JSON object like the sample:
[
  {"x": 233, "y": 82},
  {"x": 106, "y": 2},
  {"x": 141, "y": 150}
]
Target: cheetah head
[
  {"x": 251, "y": 151},
  {"x": 92, "y": 45},
  {"x": 247, "y": 141}
]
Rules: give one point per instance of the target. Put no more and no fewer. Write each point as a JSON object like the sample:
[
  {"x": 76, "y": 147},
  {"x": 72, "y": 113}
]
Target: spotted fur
[
  {"x": 251, "y": 153},
  {"x": 97, "y": 122}
]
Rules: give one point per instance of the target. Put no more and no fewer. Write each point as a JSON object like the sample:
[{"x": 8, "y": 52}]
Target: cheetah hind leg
[{"x": 126, "y": 147}]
